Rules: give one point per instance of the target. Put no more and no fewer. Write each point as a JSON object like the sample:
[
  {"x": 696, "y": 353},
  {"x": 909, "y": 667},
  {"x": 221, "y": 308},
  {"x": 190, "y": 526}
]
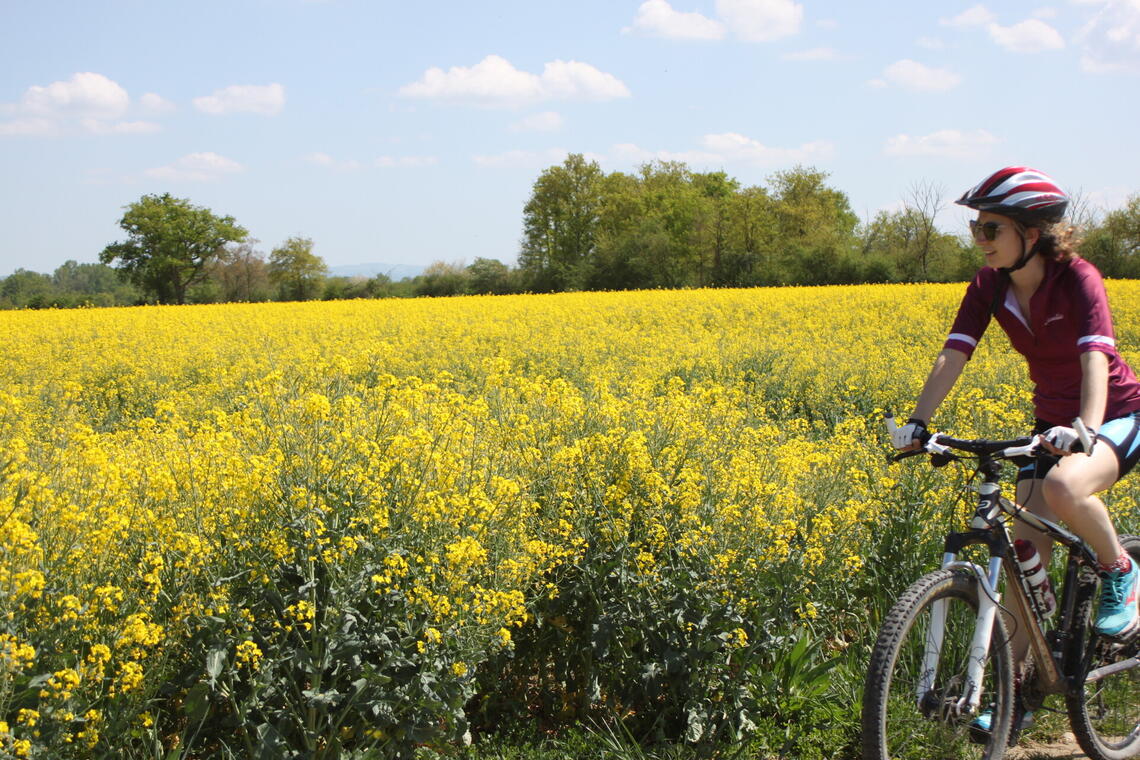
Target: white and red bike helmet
[{"x": 1023, "y": 194}]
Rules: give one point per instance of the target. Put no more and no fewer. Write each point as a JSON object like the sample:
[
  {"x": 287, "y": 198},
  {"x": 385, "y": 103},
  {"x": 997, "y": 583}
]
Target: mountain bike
[{"x": 943, "y": 652}]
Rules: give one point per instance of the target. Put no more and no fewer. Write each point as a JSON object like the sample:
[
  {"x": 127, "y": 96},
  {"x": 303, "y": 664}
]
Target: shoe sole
[{"x": 1125, "y": 633}]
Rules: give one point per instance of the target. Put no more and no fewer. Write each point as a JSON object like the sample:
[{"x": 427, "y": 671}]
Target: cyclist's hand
[
  {"x": 1060, "y": 440},
  {"x": 910, "y": 435}
]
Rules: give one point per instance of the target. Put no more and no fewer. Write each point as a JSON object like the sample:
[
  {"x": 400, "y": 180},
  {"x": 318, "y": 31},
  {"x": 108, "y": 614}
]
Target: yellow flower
[
  {"x": 130, "y": 677},
  {"x": 248, "y": 653}
]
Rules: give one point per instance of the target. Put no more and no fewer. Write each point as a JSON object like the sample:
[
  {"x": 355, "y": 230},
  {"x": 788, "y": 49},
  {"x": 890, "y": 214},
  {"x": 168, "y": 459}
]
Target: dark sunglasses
[{"x": 989, "y": 230}]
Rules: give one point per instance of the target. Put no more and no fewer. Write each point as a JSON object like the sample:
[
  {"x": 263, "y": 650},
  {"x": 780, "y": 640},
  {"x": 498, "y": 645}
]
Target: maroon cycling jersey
[{"x": 1068, "y": 315}]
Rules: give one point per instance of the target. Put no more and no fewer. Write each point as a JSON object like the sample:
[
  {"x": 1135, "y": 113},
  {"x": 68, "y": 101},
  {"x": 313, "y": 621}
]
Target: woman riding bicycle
[{"x": 1052, "y": 306}]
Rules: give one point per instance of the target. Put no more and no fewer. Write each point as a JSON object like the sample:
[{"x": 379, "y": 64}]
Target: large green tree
[
  {"x": 560, "y": 225},
  {"x": 488, "y": 276},
  {"x": 24, "y": 288},
  {"x": 170, "y": 245},
  {"x": 297, "y": 272},
  {"x": 815, "y": 226}
]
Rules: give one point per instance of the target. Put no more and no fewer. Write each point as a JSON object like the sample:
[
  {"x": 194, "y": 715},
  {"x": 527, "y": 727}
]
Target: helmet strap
[{"x": 1027, "y": 255}]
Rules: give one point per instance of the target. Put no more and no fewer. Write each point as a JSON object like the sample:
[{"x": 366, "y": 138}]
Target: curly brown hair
[{"x": 1058, "y": 241}]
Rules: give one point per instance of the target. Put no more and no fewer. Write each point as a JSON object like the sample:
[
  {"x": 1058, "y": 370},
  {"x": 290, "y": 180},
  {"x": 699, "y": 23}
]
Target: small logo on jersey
[{"x": 1054, "y": 318}]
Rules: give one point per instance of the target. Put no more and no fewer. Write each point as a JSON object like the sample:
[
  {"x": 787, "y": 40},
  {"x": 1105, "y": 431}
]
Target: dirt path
[{"x": 1065, "y": 748}]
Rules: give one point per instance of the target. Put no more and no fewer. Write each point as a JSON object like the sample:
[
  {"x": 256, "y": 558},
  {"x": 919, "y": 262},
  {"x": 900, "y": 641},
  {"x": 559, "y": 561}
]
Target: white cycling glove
[
  {"x": 908, "y": 434},
  {"x": 1064, "y": 438}
]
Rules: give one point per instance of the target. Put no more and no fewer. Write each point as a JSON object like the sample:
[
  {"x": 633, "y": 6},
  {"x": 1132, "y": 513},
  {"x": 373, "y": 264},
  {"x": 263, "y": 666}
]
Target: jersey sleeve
[
  {"x": 973, "y": 316},
  {"x": 1093, "y": 315}
]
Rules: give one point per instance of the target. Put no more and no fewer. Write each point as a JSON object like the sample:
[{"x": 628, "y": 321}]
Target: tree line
[
  {"x": 667, "y": 226},
  {"x": 664, "y": 226}
]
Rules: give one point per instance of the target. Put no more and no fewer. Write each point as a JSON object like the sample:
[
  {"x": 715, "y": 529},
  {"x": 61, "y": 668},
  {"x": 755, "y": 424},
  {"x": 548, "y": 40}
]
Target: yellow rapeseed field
[{"x": 331, "y": 525}]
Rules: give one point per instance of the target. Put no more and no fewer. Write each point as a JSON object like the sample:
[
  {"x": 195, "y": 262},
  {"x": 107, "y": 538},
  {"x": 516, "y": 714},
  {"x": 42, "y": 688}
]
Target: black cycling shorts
[{"x": 1122, "y": 435}]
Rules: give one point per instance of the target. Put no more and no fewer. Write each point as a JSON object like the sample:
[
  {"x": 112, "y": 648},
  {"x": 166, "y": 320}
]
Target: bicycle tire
[
  {"x": 1105, "y": 716},
  {"x": 895, "y": 726}
]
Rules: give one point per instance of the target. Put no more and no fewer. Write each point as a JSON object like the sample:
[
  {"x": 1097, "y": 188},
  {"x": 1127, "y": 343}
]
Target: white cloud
[
  {"x": 977, "y": 15},
  {"x": 913, "y": 75},
  {"x": 86, "y": 102},
  {"x": 152, "y": 103},
  {"x": 547, "y": 121},
  {"x": 28, "y": 127},
  {"x": 494, "y": 81},
  {"x": 1029, "y": 36},
  {"x": 761, "y": 20},
  {"x": 267, "y": 100},
  {"x": 724, "y": 149},
  {"x": 86, "y": 94},
  {"x": 737, "y": 148},
  {"x": 1110, "y": 41},
  {"x": 631, "y": 153},
  {"x": 813, "y": 54},
  {"x": 522, "y": 159},
  {"x": 656, "y": 18},
  {"x": 95, "y": 126},
  {"x": 572, "y": 80},
  {"x": 324, "y": 160},
  {"x": 320, "y": 159},
  {"x": 196, "y": 167},
  {"x": 946, "y": 143}
]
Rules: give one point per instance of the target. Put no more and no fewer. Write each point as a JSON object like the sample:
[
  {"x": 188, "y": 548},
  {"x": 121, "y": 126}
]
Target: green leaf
[
  {"x": 215, "y": 661},
  {"x": 197, "y": 703}
]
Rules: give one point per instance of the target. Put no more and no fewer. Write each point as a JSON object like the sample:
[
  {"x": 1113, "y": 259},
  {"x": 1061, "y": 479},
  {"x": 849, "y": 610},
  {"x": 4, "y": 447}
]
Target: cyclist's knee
[{"x": 1063, "y": 489}]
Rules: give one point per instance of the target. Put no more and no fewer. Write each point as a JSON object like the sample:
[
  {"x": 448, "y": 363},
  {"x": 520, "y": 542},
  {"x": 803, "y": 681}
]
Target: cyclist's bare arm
[
  {"x": 1094, "y": 388},
  {"x": 945, "y": 373}
]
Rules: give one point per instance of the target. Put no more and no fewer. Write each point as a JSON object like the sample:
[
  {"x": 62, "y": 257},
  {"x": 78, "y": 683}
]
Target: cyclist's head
[
  {"x": 1025, "y": 195},
  {"x": 1033, "y": 202}
]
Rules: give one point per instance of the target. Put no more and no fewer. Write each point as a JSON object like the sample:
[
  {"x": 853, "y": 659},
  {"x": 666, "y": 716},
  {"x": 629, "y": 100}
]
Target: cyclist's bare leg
[
  {"x": 1069, "y": 490},
  {"x": 1066, "y": 495}
]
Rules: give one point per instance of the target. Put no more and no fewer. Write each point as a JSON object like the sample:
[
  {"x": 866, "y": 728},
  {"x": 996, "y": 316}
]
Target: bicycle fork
[{"x": 988, "y": 603}]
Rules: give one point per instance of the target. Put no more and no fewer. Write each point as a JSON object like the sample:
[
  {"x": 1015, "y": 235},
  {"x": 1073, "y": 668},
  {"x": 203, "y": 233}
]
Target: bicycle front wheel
[
  {"x": 912, "y": 711},
  {"x": 1105, "y": 712}
]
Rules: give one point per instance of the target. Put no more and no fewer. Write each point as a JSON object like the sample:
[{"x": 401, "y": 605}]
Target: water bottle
[{"x": 1039, "y": 586}]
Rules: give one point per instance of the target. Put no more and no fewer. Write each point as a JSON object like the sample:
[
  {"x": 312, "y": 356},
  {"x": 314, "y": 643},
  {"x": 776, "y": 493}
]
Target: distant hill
[{"x": 395, "y": 271}]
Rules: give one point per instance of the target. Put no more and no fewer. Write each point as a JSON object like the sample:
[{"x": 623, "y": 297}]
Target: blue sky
[{"x": 407, "y": 133}]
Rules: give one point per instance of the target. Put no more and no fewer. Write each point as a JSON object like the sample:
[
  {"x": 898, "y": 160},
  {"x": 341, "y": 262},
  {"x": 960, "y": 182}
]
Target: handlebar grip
[{"x": 1083, "y": 434}]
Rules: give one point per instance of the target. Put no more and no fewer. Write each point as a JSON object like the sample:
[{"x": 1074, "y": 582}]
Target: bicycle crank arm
[{"x": 1108, "y": 670}]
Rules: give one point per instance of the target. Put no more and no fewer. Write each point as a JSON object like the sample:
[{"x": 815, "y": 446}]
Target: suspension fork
[{"x": 988, "y": 602}]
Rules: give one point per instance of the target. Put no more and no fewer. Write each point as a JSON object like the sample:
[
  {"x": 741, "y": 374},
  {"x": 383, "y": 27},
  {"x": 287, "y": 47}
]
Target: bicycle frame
[{"x": 988, "y": 527}]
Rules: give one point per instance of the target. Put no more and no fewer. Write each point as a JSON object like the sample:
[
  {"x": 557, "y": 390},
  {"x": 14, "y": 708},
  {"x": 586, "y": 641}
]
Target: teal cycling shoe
[
  {"x": 982, "y": 725},
  {"x": 1117, "y": 616}
]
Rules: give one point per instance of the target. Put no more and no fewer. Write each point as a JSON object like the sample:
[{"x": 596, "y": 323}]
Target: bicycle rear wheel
[
  {"x": 1105, "y": 712},
  {"x": 901, "y": 724}
]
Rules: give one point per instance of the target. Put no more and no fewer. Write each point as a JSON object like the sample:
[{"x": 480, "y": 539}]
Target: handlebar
[{"x": 942, "y": 446}]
